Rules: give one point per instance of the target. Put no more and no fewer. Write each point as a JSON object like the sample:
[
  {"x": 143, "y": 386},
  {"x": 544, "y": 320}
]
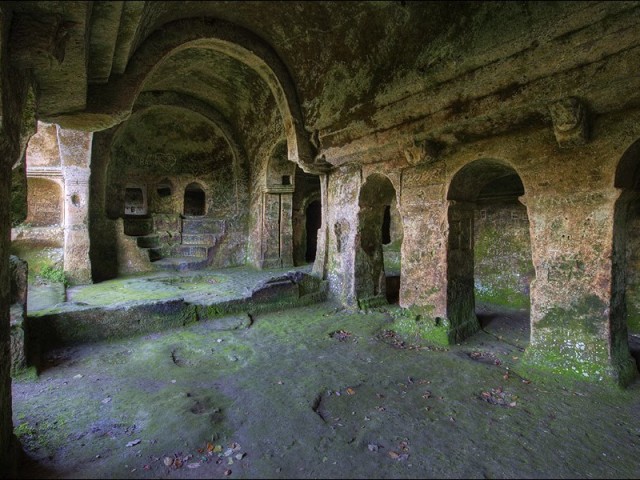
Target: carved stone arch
[
  {"x": 480, "y": 186},
  {"x": 178, "y": 100},
  {"x": 112, "y": 103},
  {"x": 149, "y": 101}
]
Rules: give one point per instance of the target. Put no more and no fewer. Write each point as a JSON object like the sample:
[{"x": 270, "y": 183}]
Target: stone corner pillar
[
  {"x": 572, "y": 297},
  {"x": 75, "y": 155}
]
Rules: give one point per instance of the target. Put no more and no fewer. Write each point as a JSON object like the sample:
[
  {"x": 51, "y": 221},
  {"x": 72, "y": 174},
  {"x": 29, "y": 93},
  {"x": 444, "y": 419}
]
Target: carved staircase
[{"x": 174, "y": 242}]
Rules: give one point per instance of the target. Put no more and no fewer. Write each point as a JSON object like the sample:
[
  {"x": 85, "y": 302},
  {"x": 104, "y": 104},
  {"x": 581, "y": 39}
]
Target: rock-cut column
[{"x": 75, "y": 156}]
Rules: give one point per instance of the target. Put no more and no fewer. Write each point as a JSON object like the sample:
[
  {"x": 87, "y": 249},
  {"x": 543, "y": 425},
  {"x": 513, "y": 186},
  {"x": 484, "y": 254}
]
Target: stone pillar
[
  {"x": 6, "y": 421},
  {"x": 75, "y": 156},
  {"x": 423, "y": 207},
  {"x": 572, "y": 250}
]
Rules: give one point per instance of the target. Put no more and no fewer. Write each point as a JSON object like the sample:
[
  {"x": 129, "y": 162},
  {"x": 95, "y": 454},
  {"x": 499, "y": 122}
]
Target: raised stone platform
[{"x": 158, "y": 301}]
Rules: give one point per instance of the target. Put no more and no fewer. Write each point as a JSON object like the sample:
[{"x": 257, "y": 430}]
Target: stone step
[
  {"x": 199, "y": 239},
  {"x": 180, "y": 263},
  {"x": 198, "y": 225}
]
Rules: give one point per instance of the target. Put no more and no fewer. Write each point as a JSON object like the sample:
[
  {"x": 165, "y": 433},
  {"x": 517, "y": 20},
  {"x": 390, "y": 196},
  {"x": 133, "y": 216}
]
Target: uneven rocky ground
[{"x": 318, "y": 392}]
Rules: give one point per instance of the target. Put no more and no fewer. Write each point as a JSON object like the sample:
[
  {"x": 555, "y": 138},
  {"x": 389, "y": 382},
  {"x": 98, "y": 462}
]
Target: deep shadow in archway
[
  {"x": 377, "y": 266},
  {"x": 313, "y": 217},
  {"x": 489, "y": 267},
  {"x": 625, "y": 299},
  {"x": 194, "y": 200}
]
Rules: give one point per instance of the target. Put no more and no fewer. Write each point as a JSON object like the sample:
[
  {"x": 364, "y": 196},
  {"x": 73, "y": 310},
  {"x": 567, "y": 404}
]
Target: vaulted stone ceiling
[{"x": 356, "y": 69}]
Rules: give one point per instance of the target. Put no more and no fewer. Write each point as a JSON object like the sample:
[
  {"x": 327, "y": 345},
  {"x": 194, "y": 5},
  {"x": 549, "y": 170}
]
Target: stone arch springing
[
  {"x": 371, "y": 280},
  {"x": 625, "y": 297},
  {"x": 489, "y": 263}
]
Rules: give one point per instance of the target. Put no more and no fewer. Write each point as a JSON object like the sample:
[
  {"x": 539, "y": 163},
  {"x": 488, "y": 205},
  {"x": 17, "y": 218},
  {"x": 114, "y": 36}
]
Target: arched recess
[
  {"x": 186, "y": 104},
  {"x": 489, "y": 266},
  {"x": 149, "y": 100},
  {"x": 625, "y": 296},
  {"x": 112, "y": 103},
  {"x": 377, "y": 195}
]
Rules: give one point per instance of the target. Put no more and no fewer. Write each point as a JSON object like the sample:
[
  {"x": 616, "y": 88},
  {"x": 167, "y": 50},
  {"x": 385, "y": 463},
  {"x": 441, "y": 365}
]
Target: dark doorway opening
[
  {"x": 194, "y": 200},
  {"x": 313, "y": 222},
  {"x": 386, "y": 225}
]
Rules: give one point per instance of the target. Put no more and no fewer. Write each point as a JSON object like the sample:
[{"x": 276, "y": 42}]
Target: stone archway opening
[
  {"x": 489, "y": 264},
  {"x": 377, "y": 265},
  {"x": 194, "y": 201},
  {"x": 625, "y": 301}
]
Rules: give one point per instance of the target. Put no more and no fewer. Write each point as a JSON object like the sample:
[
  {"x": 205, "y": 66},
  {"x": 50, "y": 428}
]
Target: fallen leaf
[
  {"x": 168, "y": 461},
  {"x": 227, "y": 473},
  {"x": 134, "y": 442},
  {"x": 394, "y": 455},
  {"x": 351, "y": 391},
  {"x": 209, "y": 447},
  {"x": 526, "y": 381}
]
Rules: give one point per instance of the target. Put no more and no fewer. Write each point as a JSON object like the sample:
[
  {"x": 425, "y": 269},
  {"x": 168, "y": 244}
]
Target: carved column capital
[
  {"x": 424, "y": 151},
  {"x": 570, "y": 126}
]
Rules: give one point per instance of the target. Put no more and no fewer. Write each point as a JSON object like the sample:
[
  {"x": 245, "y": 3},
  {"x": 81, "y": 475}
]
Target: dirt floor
[{"x": 319, "y": 392}]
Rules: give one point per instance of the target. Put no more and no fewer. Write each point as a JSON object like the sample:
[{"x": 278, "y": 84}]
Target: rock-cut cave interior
[{"x": 370, "y": 239}]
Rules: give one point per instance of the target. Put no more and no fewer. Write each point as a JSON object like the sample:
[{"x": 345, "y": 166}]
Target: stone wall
[{"x": 569, "y": 203}]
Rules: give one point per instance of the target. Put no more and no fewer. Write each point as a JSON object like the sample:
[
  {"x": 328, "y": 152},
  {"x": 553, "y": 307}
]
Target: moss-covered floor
[{"x": 318, "y": 392}]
